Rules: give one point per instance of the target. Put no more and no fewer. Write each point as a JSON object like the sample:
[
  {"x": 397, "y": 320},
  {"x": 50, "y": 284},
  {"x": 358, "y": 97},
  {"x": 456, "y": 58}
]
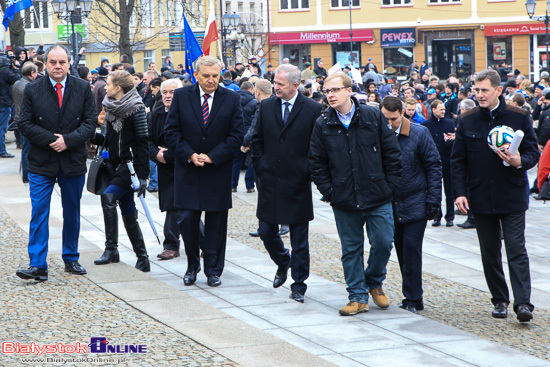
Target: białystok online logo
[{"x": 97, "y": 345}]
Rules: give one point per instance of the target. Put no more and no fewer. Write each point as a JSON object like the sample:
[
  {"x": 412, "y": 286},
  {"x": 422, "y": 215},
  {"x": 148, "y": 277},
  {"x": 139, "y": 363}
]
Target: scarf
[{"x": 118, "y": 109}]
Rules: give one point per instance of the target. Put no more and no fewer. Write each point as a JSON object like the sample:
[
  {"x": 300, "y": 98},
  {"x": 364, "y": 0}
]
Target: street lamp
[
  {"x": 530, "y": 5},
  {"x": 229, "y": 23},
  {"x": 65, "y": 9}
]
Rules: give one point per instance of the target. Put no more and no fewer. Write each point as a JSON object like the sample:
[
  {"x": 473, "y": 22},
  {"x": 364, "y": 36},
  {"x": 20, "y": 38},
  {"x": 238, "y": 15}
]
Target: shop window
[
  {"x": 298, "y": 55},
  {"x": 397, "y": 61},
  {"x": 148, "y": 57},
  {"x": 445, "y": 1},
  {"x": 294, "y": 4},
  {"x": 341, "y": 54},
  {"x": 396, "y": 2},
  {"x": 344, "y": 3},
  {"x": 499, "y": 50}
]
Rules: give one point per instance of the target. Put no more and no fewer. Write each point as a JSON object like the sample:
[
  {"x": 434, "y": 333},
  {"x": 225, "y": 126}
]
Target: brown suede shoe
[
  {"x": 353, "y": 308},
  {"x": 379, "y": 297},
  {"x": 168, "y": 254}
]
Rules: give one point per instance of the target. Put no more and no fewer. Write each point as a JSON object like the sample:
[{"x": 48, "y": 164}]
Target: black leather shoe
[
  {"x": 75, "y": 268},
  {"x": 6, "y": 155},
  {"x": 255, "y": 234},
  {"x": 436, "y": 223},
  {"x": 467, "y": 225},
  {"x": 449, "y": 223},
  {"x": 501, "y": 311},
  {"x": 190, "y": 276},
  {"x": 214, "y": 281},
  {"x": 297, "y": 296},
  {"x": 524, "y": 314},
  {"x": 281, "y": 276},
  {"x": 33, "y": 273},
  {"x": 284, "y": 230},
  {"x": 409, "y": 308}
]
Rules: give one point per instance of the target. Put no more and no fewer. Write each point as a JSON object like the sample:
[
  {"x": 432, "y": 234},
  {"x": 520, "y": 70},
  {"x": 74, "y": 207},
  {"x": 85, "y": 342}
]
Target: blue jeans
[
  {"x": 379, "y": 224},
  {"x": 248, "y": 176},
  {"x": 5, "y": 114},
  {"x": 41, "y": 188},
  {"x": 153, "y": 176}
]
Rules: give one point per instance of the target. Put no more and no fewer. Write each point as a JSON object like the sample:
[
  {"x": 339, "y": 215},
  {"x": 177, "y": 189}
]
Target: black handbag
[
  {"x": 545, "y": 190},
  {"x": 100, "y": 173}
]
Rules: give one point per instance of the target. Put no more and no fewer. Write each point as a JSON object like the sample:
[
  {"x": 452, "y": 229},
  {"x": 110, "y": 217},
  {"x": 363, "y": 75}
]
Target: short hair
[
  {"x": 293, "y": 75},
  {"x": 227, "y": 75},
  {"x": 123, "y": 58},
  {"x": 409, "y": 88},
  {"x": 433, "y": 78},
  {"x": 464, "y": 92},
  {"x": 28, "y": 69},
  {"x": 453, "y": 86},
  {"x": 491, "y": 75},
  {"x": 346, "y": 80},
  {"x": 152, "y": 73},
  {"x": 138, "y": 74},
  {"x": 376, "y": 96},
  {"x": 155, "y": 82},
  {"x": 39, "y": 65},
  {"x": 410, "y": 101},
  {"x": 54, "y": 47},
  {"x": 247, "y": 86},
  {"x": 392, "y": 104},
  {"x": 171, "y": 82},
  {"x": 467, "y": 104},
  {"x": 122, "y": 79},
  {"x": 83, "y": 72},
  {"x": 435, "y": 103},
  {"x": 264, "y": 86},
  {"x": 31, "y": 49},
  {"x": 152, "y": 62},
  {"x": 117, "y": 65},
  {"x": 207, "y": 61},
  {"x": 519, "y": 98}
]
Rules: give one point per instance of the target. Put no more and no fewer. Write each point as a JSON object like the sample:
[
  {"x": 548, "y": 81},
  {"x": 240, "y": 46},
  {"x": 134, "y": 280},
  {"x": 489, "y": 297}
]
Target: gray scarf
[{"x": 118, "y": 109}]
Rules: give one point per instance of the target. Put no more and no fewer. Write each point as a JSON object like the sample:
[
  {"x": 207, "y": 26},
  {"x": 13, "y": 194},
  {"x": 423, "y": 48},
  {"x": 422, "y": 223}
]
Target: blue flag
[
  {"x": 192, "y": 49},
  {"x": 13, "y": 7}
]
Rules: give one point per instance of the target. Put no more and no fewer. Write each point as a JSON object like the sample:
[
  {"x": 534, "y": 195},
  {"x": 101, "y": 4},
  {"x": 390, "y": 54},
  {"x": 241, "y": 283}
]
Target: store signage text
[
  {"x": 397, "y": 37},
  {"x": 361, "y": 35},
  {"x": 511, "y": 29}
]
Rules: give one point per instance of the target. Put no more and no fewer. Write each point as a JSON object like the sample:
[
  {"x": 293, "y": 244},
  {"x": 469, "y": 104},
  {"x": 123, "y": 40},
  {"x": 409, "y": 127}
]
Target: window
[
  {"x": 148, "y": 14},
  {"x": 499, "y": 50},
  {"x": 397, "y": 60},
  {"x": 36, "y": 17},
  {"x": 178, "y": 11},
  {"x": 148, "y": 57},
  {"x": 344, "y": 3},
  {"x": 166, "y": 53},
  {"x": 444, "y": 1},
  {"x": 341, "y": 53},
  {"x": 294, "y": 4},
  {"x": 169, "y": 15},
  {"x": 160, "y": 13},
  {"x": 240, "y": 8},
  {"x": 252, "y": 7},
  {"x": 397, "y": 2},
  {"x": 228, "y": 7}
]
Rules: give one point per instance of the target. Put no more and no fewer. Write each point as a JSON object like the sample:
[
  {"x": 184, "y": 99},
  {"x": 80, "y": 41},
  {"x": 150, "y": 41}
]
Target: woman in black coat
[{"x": 126, "y": 138}]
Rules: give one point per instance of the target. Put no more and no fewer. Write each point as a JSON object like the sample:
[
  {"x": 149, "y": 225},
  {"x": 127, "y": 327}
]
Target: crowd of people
[{"x": 379, "y": 151}]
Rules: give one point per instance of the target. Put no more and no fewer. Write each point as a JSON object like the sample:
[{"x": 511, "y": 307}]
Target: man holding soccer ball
[{"x": 498, "y": 194}]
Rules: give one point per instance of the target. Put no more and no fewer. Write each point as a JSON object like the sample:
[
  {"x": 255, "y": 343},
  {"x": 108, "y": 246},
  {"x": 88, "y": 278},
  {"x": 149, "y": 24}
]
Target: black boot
[
  {"x": 110, "y": 255},
  {"x": 136, "y": 238}
]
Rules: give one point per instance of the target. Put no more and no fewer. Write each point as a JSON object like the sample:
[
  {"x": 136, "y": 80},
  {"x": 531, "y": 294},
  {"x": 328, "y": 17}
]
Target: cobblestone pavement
[
  {"x": 447, "y": 302},
  {"x": 68, "y": 309}
]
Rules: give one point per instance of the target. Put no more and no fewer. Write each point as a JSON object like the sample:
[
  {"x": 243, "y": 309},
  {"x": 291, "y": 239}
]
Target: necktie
[
  {"x": 287, "y": 111},
  {"x": 205, "y": 110},
  {"x": 58, "y": 87}
]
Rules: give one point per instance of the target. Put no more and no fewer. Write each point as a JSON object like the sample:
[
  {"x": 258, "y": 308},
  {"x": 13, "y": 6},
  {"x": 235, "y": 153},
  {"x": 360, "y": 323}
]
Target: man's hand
[
  {"x": 82, "y": 50},
  {"x": 205, "y": 158},
  {"x": 59, "y": 145},
  {"x": 245, "y": 149},
  {"x": 512, "y": 159},
  {"x": 160, "y": 155},
  {"x": 462, "y": 204},
  {"x": 449, "y": 136},
  {"x": 196, "y": 160}
]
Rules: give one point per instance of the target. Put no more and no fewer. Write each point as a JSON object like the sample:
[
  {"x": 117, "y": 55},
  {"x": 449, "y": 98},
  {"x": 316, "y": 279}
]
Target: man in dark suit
[
  {"x": 57, "y": 115},
  {"x": 443, "y": 132},
  {"x": 280, "y": 144},
  {"x": 204, "y": 129},
  {"x": 495, "y": 193}
]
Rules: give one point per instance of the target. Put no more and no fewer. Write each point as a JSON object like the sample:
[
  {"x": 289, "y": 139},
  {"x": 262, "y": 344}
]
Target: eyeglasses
[{"x": 333, "y": 90}]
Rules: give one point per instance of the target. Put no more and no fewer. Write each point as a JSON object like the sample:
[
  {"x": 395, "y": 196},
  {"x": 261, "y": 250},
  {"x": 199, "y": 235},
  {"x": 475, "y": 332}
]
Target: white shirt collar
[{"x": 203, "y": 93}]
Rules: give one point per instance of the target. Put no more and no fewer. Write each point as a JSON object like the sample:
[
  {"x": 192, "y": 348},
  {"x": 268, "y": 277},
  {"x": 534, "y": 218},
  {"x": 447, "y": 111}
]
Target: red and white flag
[{"x": 211, "y": 33}]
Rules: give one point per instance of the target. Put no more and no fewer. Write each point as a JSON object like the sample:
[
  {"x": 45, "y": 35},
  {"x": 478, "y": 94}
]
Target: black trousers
[
  {"x": 449, "y": 197},
  {"x": 408, "y": 238},
  {"x": 488, "y": 232},
  {"x": 172, "y": 230},
  {"x": 215, "y": 239},
  {"x": 299, "y": 261}
]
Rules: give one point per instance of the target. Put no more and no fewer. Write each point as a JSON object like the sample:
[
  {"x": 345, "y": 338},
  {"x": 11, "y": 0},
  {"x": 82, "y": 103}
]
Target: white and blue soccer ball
[{"x": 500, "y": 137}]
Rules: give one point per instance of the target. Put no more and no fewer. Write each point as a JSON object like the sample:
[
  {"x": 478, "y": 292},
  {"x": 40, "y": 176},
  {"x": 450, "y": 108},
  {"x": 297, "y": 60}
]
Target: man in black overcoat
[
  {"x": 280, "y": 145},
  {"x": 204, "y": 129},
  {"x": 498, "y": 195}
]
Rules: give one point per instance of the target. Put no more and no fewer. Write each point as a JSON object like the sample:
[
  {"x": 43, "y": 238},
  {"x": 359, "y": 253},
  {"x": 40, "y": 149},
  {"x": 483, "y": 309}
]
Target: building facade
[{"x": 451, "y": 36}]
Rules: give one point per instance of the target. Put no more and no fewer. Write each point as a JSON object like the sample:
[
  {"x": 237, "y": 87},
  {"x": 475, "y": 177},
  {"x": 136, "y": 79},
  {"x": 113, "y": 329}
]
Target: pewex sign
[{"x": 397, "y": 37}]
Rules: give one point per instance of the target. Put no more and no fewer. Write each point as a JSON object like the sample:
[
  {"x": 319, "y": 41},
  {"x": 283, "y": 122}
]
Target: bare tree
[
  {"x": 126, "y": 25},
  {"x": 253, "y": 29},
  {"x": 16, "y": 28}
]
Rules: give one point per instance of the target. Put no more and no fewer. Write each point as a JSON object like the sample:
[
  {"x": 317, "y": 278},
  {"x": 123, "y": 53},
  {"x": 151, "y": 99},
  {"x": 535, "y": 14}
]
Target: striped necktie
[{"x": 205, "y": 110}]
